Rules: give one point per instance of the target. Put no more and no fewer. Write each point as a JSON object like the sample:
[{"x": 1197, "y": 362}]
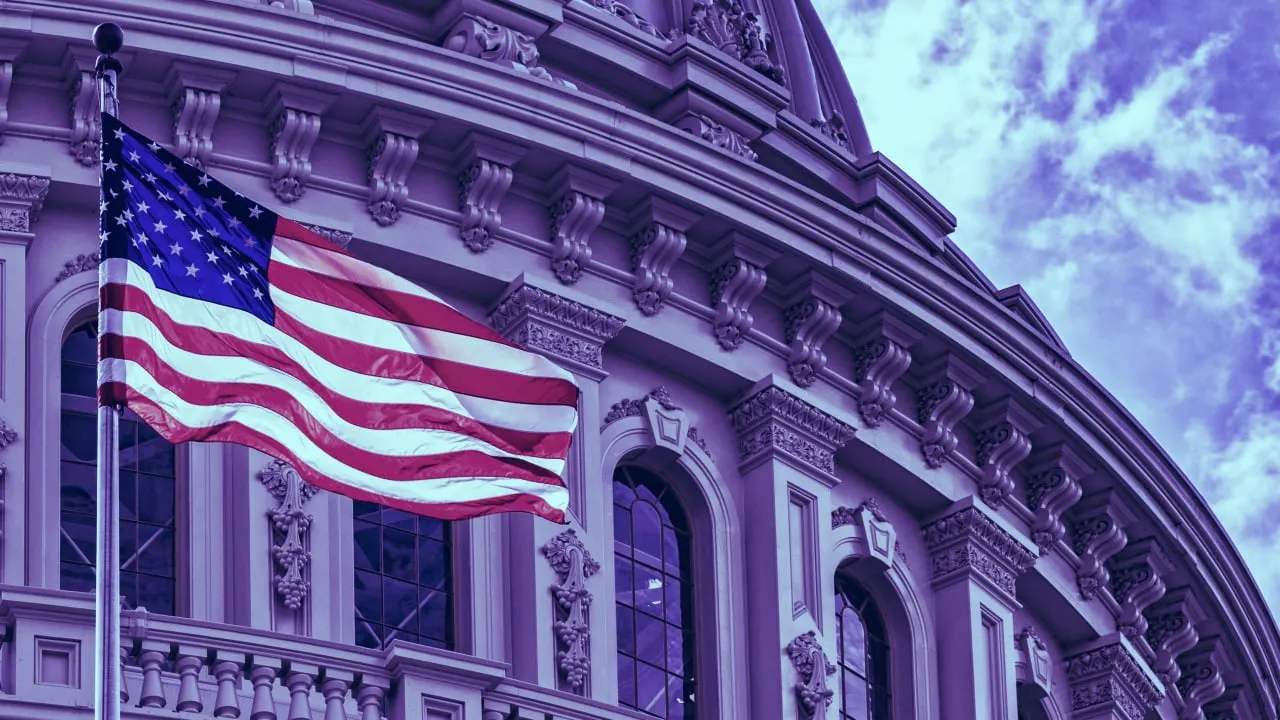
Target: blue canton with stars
[{"x": 193, "y": 235}]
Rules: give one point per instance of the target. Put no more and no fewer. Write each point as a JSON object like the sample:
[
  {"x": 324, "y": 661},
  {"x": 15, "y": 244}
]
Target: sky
[{"x": 1121, "y": 161}]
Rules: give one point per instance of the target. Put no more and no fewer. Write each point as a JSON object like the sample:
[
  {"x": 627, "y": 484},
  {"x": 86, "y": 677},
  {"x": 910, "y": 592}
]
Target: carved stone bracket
[
  {"x": 391, "y": 142},
  {"x": 568, "y": 332},
  {"x": 85, "y": 105},
  {"x": 290, "y": 523},
  {"x": 195, "y": 94},
  {"x": 1136, "y": 583},
  {"x": 1097, "y": 534},
  {"x": 576, "y": 212},
  {"x": 1200, "y": 681},
  {"x": 1034, "y": 665},
  {"x": 718, "y": 135},
  {"x": 1109, "y": 681},
  {"x": 1171, "y": 631},
  {"x": 738, "y": 279},
  {"x": 10, "y": 49},
  {"x": 21, "y": 198},
  {"x": 810, "y": 662},
  {"x": 487, "y": 40},
  {"x": 880, "y": 357},
  {"x": 81, "y": 263},
  {"x": 573, "y": 565},
  {"x": 771, "y": 422},
  {"x": 811, "y": 317},
  {"x": 969, "y": 543},
  {"x": 295, "y": 125},
  {"x": 833, "y": 129},
  {"x": 484, "y": 176},
  {"x": 1002, "y": 441},
  {"x": 871, "y": 527},
  {"x": 623, "y": 12},
  {"x": 730, "y": 28},
  {"x": 944, "y": 399},
  {"x": 341, "y": 238},
  {"x": 1233, "y": 705},
  {"x": 669, "y": 423},
  {"x": 1053, "y": 486},
  {"x": 656, "y": 245}
]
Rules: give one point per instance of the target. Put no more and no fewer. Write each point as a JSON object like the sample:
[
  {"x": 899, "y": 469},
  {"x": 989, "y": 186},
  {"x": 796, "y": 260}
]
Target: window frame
[{"x": 877, "y": 668}]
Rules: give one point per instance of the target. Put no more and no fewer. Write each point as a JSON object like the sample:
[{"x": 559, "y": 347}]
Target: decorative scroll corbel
[
  {"x": 810, "y": 662},
  {"x": 1171, "y": 631},
  {"x": 484, "y": 176},
  {"x": 880, "y": 357},
  {"x": 655, "y": 247},
  {"x": 290, "y": 523},
  {"x": 391, "y": 142},
  {"x": 1002, "y": 442},
  {"x": 195, "y": 94},
  {"x": 86, "y": 119},
  {"x": 1136, "y": 583},
  {"x": 296, "y": 125},
  {"x": 10, "y": 49},
  {"x": 1201, "y": 681},
  {"x": 871, "y": 528},
  {"x": 573, "y": 564},
  {"x": 718, "y": 135},
  {"x": 575, "y": 214},
  {"x": 811, "y": 317},
  {"x": 945, "y": 397},
  {"x": 1053, "y": 486},
  {"x": 1096, "y": 536},
  {"x": 1034, "y": 666},
  {"x": 738, "y": 279}
]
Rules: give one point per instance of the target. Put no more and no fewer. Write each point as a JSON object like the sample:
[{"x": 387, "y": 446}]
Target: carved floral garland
[
  {"x": 291, "y": 522},
  {"x": 573, "y": 564}
]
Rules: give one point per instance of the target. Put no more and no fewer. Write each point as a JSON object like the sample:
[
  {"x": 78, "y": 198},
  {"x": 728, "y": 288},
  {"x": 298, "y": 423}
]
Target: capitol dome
[{"x": 824, "y": 469}]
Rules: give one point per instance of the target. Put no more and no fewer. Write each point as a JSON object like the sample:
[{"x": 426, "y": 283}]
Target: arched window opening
[
  {"x": 148, "y": 490},
  {"x": 864, "y": 654},
  {"x": 403, "y": 576},
  {"x": 654, "y": 591}
]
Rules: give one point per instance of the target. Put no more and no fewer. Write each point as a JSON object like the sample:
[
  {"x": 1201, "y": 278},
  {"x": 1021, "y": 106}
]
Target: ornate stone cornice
[
  {"x": 295, "y": 124},
  {"x": 772, "y": 422},
  {"x": 573, "y": 565},
  {"x": 21, "y": 198},
  {"x": 484, "y": 176},
  {"x": 1001, "y": 442},
  {"x": 341, "y": 238},
  {"x": 487, "y": 40},
  {"x": 85, "y": 105},
  {"x": 1053, "y": 487},
  {"x": 944, "y": 399},
  {"x": 1200, "y": 681},
  {"x": 871, "y": 528},
  {"x": 880, "y": 357},
  {"x": 1097, "y": 534},
  {"x": 291, "y": 524},
  {"x": 970, "y": 543},
  {"x": 391, "y": 142},
  {"x": 1137, "y": 582},
  {"x": 1034, "y": 664},
  {"x": 732, "y": 29},
  {"x": 668, "y": 421},
  {"x": 713, "y": 132},
  {"x": 565, "y": 330},
  {"x": 833, "y": 129},
  {"x": 811, "y": 317},
  {"x": 195, "y": 94},
  {"x": 1171, "y": 631},
  {"x": 1110, "y": 679},
  {"x": 737, "y": 279},
  {"x": 656, "y": 245},
  {"x": 811, "y": 664},
  {"x": 576, "y": 212}
]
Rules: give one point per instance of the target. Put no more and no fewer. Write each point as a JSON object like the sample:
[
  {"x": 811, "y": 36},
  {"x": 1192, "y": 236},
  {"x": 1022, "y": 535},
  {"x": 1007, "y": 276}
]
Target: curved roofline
[{"x": 854, "y": 125}]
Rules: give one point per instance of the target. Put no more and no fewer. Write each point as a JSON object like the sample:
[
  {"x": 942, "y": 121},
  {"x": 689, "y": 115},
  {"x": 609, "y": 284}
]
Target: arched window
[
  {"x": 654, "y": 596},
  {"x": 403, "y": 578},
  {"x": 148, "y": 490},
  {"x": 864, "y": 654}
]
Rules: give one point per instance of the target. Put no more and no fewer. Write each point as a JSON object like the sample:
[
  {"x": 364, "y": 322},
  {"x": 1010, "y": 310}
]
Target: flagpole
[{"x": 108, "y": 38}]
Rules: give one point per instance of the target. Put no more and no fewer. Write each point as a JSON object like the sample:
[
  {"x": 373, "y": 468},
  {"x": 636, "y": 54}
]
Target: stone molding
[
  {"x": 21, "y": 199},
  {"x": 969, "y": 543},
  {"x": 1034, "y": 664},
  {"x": 8, "y": 436},
  {"x": 707, "y": 129},
  {"x": 667, "y": 421},
  {"x": 1001, "y": 442},
  {"x": 880, "y": 356},
  {"x": 1172, "y": 631},
  {"x": 811, "y": 664},
  {"x": 1097, "y": 534},
  {"x": 573, "y": 566},
  {"x": 195, "y": 94},
  {"x": 871, "y": 528},
  {"x": 944, "y": 399},
  {"x": 576, "y": 213},
  {"x": 656, "y": 244},
  {"x": 565, "y": 330},
  {"x": 1053, "y": 487},
  {"x": 291, "y": 524},
  {"x": 1109, "y": 682},
  {"x": 1137, "y": 581},
  {"x": 737, "y": 279},
  {"x": 772, "y": 422},
  {"x": 391, "y": 142},
  {"x": 811, "y": 317},
  {"x": 484, "y": 176},
  {"x": 295, "y": 126},
  {"x": 728, "y": 27}
]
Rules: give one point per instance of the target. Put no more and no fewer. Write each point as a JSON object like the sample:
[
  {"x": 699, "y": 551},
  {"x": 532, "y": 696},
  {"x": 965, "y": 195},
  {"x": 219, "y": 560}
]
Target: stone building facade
[{"x": 825, "y": 468}]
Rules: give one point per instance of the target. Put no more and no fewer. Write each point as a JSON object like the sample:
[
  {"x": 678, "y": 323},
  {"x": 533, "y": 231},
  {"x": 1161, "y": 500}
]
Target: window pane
[
  {"x": 651, "y": 689},
  {"x": 855, "y": 696},
  {"x": 647, "y": 526},
  {"x": 79, "y": 488},
  {"x": 651, "y": 640},
  {"x": 368, "y": 555},
  {"x": 623, "y": 573},
  {"x": 627, "y": 631},
  {"x": 79, "y": 437},
  {"x": 627, "y": 681},
  {"x": 81, "y": 380},
  {"x": 853, "y": 641},
  {"x": 648, "y": 590}
]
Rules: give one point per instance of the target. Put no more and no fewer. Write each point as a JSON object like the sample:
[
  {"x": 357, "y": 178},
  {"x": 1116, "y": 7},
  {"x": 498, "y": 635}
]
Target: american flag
[{"x": 222, "y": 321}]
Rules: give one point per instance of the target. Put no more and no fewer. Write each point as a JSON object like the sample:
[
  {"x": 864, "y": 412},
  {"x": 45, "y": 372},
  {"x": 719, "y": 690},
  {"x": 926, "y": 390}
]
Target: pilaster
[
  {"x": 545, "y": 566},
  {"x": 1109, "y": 682},
  {"x": 786, "y": 462},
  {"x": 250, "y": 568},
  {"x": 977, "y": 560}
]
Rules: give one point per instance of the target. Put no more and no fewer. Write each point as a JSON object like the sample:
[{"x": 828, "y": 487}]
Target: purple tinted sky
[{"x": 1120, "y": 160}]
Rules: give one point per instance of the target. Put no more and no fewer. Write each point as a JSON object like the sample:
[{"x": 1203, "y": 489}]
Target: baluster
[
  {"x": 151, "y": 658},
  {"x": 226, "y": 669},
  {"x": 335, "y": 689},
  {"x": 299, "y": 681},
  {"x": 371, "y": 700},
  {"x": 262, "y": 676},
  {"x": 190, "y": 660},
  {"x": 124, "y": 662}
]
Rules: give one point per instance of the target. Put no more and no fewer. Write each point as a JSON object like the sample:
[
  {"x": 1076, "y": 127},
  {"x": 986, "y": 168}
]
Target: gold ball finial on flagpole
[{"x": 108, "y": 38}]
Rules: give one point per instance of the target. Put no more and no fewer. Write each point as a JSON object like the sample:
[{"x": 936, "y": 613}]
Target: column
[
  {"x": 543, "y": 557},
  {"x": 977, "y": 559},
  {"x": 787, "y": 467}
]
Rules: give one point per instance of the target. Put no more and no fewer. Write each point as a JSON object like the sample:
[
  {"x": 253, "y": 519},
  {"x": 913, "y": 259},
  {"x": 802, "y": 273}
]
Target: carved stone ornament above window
[
  {"x": 969, "y": 543},
  {"x": 290, "y": 524},
  {"x": 773, "y": 423},
  {"x": 623, "y": 12},
  {"x": 730, "y": 28},
  {"x": 564, "y": 330},
  {"x": 722, "y": 137},
  {"x": 1111, "y": 678},
  {"x": 668, "y": 422},
  {"x": 21, "y": 198},
  {"x": 810, "y": 662},
  {"x": 573, "y": 565},
  {"x": 871, "y": 527},
  {"x": 81, "y": 263},
  {"x": 1034, "y": 666}
]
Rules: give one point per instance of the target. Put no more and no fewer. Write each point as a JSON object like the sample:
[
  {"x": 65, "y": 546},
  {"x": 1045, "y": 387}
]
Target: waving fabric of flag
[{"x": 221, "y": 321}]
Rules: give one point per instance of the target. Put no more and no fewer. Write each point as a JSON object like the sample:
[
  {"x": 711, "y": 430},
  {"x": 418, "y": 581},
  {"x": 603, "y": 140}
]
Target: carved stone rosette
[
  {"x": 771, "y": 422},
  {"x": 21, "y": 198},
  {"x": 880, "y": 357},
  {"x": 573, "y": 565},
  {"x": 729, "y": 27},
  {"x": 1111, "y": 678},
  {"x": 811, "y": 664},
  {"x": 970, "y": 543},
  {"x": 1097, "y": 534},
  {"x": 1200, "y": 681},
  {"x": 811, "y": 317},
  {"x": 944, "y": 399},
  {"x": 1053, "y": 487},
  {"x": 871, "y": 527},
  {"x": 1002, "y": 442},
  {"x": 1171, "y": 631},
  {"x": 567, "y": 331},
  {"x": 1136, "y": 583},
  {"x": 738, "y": 279},
  {"x": 290, "y": 524},
  {"x": 718, "y": 135}
]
